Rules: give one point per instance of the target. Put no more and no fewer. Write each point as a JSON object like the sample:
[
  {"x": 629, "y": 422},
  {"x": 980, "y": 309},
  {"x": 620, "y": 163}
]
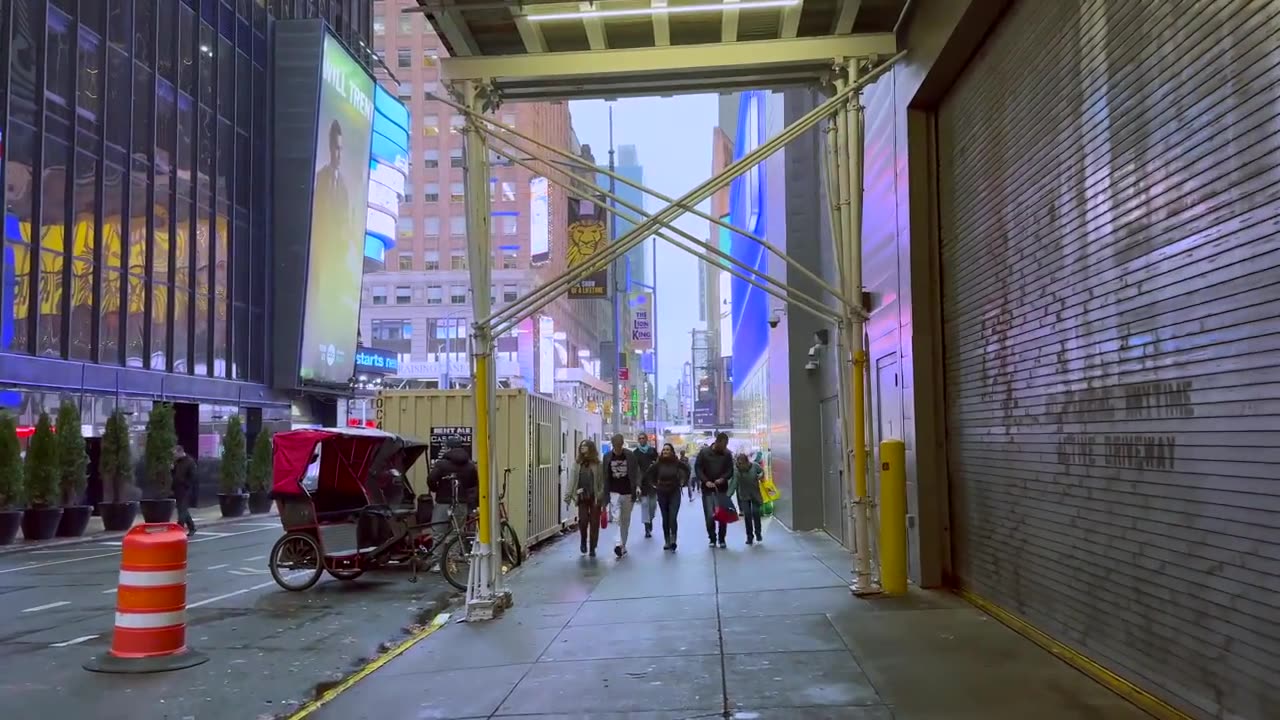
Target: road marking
[
  {"x": 38, "y": 608},
  {"x": 262, "y": 525},
  {"x": 229, "y": 595},
  {"x": 113, "y": 543},
  {"x": 217, "y": 567},
  {"x": 111, "y": 591},
  {"x": 77, "y": 641},
  {"x": 247, "y": 571},
  {"x": 255, "y": 557},
  {"x": 69, "y": 550}
]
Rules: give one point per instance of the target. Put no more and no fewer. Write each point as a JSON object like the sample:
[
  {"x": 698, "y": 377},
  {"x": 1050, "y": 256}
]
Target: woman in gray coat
[
  {"x": 746, "y": 479},
  {"x": 588, "y": 492}
]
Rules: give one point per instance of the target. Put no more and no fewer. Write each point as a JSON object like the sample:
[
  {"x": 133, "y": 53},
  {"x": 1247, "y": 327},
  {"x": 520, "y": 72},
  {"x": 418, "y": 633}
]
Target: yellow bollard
[{"x": 893, "y": 517}]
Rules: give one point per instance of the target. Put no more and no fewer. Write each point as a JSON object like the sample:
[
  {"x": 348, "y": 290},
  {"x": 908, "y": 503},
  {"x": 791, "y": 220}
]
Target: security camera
[
  {"x": 813, "y": 352},
  {"x": 776, "y": 317},
  {"x": 812, "y": 365}
]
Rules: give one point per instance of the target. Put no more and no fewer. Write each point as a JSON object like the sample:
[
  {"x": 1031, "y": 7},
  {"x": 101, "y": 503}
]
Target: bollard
[
  {"x": 151, "y": 604},
  {"x": 893, "y": 517}
]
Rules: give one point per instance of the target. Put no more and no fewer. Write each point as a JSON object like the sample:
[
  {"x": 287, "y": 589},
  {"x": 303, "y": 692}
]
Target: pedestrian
[
  {"x": 624, "y": 485},
  {"x": 646, "y": 456},
  {"x": 668, "y": 479},
  {"x": 746, "y": 479},
  {"x": 714, "y": 470},
  {"x": 589, "y": 492},
  {"x": 687, "y": 471},
  {"x": 454, "y": 482},
  {"x": 184, "y": 480}
]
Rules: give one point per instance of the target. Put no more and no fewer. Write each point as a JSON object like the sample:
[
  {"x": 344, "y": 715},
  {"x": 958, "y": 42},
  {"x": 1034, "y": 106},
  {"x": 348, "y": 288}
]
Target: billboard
[
  {"x": 339, "y": 210},
  {"x": 388, "y": 167},
  {"x": 546, "y": 355},
  {"x": 725, "y": 243},
  {"x": 587, "y": 236},
  {"x": 641, "y": 321},
  {"x": 539, "y": 220}
]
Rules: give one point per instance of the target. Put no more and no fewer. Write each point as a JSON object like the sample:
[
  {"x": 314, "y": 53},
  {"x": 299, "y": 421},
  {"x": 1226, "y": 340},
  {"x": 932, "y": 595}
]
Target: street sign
[{"x": 441, "y": 434}]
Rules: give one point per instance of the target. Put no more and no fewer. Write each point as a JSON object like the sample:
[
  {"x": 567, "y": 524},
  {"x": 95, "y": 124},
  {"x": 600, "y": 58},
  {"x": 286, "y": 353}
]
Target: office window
[
  {"x": 435, "y": 295},
  {"x": 455, "y": 192},
  {"x": 458, "y": 260},
  {"x": 433, "y": 192},
  {"x": 509, "y": 293},
  {"x": 403, "y": 58},
  {"x": 431, "y": 258},
  {"x": 510, "y": 224},
  {"x": 458, "y": 294},
  {"x": 391, "y": 329},
  {"x": 406, "y": 25},
  {"x": 408, "y": 191},
  {"x": 455, "y": 157},
  {"x": 405, "y": 92},
  {"x": 406, "y": 261},
  {"x": 429, "y": 88},
  {"x": 404, "y": 295},
  {"x": 431, "y": 226},
  {"x": 455, "y": 124},
  {"x": 430, "y": 125},
  {"x": 509, "y": 119},
  {"x": 379, "y": 26},
  {"x": 431, "y": 159},
  {"x": 379, "y": 295},
  {"x": 458, "y": 225},
  {"x": 430, "y": 58},
  {"x": 508, "y": 191},
  {"x": 404, "y": 227},
  {"x": 510, "y": 259}
]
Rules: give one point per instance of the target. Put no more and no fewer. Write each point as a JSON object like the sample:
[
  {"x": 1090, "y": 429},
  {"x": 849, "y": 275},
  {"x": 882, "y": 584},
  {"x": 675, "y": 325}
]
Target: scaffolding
[{"x": 476, "y": 96}]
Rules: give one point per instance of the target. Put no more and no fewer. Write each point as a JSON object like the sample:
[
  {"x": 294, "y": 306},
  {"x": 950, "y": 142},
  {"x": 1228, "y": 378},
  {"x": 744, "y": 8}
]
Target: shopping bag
[
  {"x": 725, "y": 511},
  {"x": 769, "y": 490},
  {"x": 766, "y": 508},
  {"x": 604, "y": 517}
]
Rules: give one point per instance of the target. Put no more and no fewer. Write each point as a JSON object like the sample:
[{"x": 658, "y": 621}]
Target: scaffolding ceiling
[{"x": 551, "y": 49}]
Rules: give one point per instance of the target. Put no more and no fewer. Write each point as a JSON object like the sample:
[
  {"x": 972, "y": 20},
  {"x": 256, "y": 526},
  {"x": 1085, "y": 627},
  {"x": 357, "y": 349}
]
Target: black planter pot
[
  {"x": 260, "y": 502},
  {"x": 41, "y": 523},
  {"x": 118, "y": 516},
  {"x": 233, "y": 505},
  {"x": 75, "y": 519},
  {"x": 10, "y": 521},
  {"x": 158, "y": 511}
]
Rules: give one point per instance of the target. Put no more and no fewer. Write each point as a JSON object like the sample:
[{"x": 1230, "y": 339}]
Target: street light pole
[{"x": 617, "y": 290}]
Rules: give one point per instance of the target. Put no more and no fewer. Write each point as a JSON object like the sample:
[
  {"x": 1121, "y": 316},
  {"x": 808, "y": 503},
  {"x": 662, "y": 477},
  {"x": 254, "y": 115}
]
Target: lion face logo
[{"x": 586, "y": 237}]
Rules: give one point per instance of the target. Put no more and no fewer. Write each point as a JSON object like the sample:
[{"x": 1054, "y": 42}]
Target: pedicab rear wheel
[
  {"x": 455, "y": 560},
  {"x": 296, "y": 561}
]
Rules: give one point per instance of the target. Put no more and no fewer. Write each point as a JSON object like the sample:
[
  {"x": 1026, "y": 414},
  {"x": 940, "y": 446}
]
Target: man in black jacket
[
  {"x": 184, "y": 481},
  {"x": 454, "y": 482},
  {"x": 646, "y": 456},
  {"x": 714, "y": 468}
]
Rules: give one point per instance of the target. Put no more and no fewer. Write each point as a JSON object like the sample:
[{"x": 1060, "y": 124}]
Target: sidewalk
[
  {"x": 760, "y": 632},
  {"x": 208, "y": 516}
]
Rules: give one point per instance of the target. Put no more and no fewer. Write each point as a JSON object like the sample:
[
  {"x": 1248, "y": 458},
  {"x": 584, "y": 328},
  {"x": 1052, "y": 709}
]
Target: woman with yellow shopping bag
[{"x": 747, "y": 479}]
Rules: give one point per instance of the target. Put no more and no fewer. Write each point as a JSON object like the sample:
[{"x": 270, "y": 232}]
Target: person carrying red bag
[{"x": 714, "y": 470}]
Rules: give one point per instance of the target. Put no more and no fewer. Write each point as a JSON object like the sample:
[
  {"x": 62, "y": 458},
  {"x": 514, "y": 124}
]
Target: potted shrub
[
  {"x": 11, "y": 472},
  {"x": 73, "y": 463},
  {"x": 115, "y": 464},
  {"x": 232, "y": 498},
  {"x": 158, "y": 504},
  {"x": 40, "y": 521},
  {"x": 260, "y": 475}
]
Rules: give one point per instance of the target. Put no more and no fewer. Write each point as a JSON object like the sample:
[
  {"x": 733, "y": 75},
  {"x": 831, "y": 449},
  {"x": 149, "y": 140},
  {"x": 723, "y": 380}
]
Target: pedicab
[{"x": 341, "y": 494}]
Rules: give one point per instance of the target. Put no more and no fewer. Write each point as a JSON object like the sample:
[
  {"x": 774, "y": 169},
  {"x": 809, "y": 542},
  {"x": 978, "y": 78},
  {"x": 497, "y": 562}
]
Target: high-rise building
[{"x": 419, "y": 305}]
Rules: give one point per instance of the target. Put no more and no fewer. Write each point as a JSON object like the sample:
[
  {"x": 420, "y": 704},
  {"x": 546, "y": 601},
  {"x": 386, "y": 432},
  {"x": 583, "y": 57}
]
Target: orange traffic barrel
[{"x": 151, "y": 604}]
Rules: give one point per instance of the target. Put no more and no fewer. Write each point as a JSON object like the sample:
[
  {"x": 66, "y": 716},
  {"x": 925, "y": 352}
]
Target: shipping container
[{"x": 535, "y": 437}]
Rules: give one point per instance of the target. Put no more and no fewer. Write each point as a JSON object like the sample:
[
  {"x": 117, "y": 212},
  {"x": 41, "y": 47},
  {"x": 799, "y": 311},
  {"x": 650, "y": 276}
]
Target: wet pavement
[
  {"x": 268, "y": 648},
  {"x": 762, "y": 632}
]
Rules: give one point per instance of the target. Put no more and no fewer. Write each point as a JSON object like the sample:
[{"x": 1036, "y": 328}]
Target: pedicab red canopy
[{"x": 349, "y": 458}]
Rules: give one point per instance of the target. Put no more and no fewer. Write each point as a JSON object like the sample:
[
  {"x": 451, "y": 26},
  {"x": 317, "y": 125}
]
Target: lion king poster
[{"x": 587, "y": 236}]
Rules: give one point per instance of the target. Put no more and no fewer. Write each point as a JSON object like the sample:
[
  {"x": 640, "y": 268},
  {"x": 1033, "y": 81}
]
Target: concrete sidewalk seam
[{"x": 438, "y": 622}]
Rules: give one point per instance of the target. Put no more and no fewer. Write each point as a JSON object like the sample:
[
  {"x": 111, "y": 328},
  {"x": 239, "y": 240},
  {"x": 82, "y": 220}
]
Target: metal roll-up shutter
[{"x": 1109, "y": 179}]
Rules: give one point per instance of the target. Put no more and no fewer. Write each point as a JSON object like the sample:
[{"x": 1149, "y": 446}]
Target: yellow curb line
[
  {"x": 333, "y": 692},
  {"x": 1151, "y": 704}
]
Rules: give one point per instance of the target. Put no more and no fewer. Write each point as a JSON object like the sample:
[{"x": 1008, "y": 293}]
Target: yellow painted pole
[
  {"x": 893, "y": 517},
  {"x": 483, "y": 422}
]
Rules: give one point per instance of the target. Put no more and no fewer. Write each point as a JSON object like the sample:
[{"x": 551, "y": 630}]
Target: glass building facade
[{"x": 135, "y": 178}]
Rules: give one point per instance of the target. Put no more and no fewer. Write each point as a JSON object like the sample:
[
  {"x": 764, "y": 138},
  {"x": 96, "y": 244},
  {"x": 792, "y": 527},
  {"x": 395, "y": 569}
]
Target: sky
[{"x": 673, "y": 140}]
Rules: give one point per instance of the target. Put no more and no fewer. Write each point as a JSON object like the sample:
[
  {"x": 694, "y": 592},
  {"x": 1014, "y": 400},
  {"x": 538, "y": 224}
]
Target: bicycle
[{"x": 512, "y": 550}]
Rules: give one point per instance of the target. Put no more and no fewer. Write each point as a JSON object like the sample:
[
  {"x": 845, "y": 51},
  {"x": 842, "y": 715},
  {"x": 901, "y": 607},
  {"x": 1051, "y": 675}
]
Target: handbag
[
  {"x": 725, "y": 511},
  {"x": 604, "y": 517}
]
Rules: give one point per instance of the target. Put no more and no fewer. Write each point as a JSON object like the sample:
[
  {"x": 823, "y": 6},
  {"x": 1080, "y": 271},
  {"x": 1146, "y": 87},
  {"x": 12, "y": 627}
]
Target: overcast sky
[{"x": 673, "y": 139}]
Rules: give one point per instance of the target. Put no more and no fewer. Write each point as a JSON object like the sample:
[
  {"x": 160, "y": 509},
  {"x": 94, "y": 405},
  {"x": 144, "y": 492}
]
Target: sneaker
[
  {"x": 673, "y": 547},
  {"x": 582, "y": 548},
  {"x": 759, "y": 539},
  {"x": 592, "y": 553},
  {"x": 713, "y": 543},
  {"x": 723, "y": 545},
  {"x": 617, "y": 550},
  {"x": 749, "y": 541}
]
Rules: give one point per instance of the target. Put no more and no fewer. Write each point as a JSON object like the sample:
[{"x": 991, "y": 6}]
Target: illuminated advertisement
[
  {"x": 725, "y": 244},
  {"x": 750, "y": 310},
  {"x": 587, "y": 236},
  {"x": 335, "y": 259},
  {"x": 539, "y": 223},
  {"x": 388, "y": 168},
  {"x": 546, "y": 355}
]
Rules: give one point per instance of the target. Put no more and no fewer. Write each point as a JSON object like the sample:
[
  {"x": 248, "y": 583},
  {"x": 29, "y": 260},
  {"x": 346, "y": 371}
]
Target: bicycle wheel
[
  {"x": 455, "y": 561},
  {"x": 294, "y": 555},
  {"x": 512, "y": 551}
]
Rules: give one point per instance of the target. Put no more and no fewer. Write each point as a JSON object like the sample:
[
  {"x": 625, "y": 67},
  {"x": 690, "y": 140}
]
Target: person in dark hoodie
[
  {"x": 688, "y": 473},
  {"x": 184, "y": 481},
  {"x": 714, "y": 469},
  {"x": 623, "y": 477},
  {"x": 668, "y": 478},
  {"x": 646, "y": 456},
  {"x": 454, "y": 482}
]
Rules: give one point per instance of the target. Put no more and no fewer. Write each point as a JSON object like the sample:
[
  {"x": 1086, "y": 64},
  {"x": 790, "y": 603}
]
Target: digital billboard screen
[
  {"x": 539, "y": 221},
  {"x": 335, "y": 260}
]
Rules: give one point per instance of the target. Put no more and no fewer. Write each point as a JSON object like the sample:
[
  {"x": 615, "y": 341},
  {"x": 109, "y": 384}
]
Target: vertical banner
[
  {"x": 539, "y": 221},
  {"x": 587, "y": 236},
  {"x": 641, "y": 321}
]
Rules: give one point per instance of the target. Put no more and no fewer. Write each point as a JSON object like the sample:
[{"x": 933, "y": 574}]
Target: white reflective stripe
[
  {"x": 152, "y": 578},
  {"x": 150, "y": 621}
]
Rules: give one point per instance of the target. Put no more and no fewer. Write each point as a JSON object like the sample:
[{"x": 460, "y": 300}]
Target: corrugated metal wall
[{"x": 1110, "y": 188}]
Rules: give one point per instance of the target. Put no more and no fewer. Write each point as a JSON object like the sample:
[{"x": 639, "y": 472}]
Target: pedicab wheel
[
  {"x": 512, "y": 552},
  {"x": 347, "y": 575},
  {"x": 455, "y": 561},
  {"x": 296, "y": 561}
]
